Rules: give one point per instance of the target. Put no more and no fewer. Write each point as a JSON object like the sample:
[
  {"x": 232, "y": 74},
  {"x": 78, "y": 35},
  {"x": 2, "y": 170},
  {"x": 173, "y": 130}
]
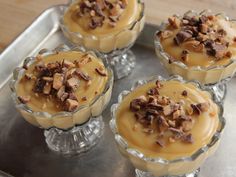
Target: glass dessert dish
[
  {"x": 199, "y": 47},
  {"x": 157, "y": 140},
  {"x": 109, "y": 28},
  {"x": 64, "y": 92}
]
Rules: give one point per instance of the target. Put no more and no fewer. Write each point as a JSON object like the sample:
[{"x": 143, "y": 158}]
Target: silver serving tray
[{"x": 23, "y": 151}]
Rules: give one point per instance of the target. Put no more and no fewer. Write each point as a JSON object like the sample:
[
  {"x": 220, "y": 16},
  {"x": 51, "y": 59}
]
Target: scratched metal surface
[{"x": 23, "y": 151}]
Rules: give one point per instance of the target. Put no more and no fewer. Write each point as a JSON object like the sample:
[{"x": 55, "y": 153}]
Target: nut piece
[
  {"x": 68, "y": 64},
  {"x": 71, "y": 105},
  {"x": 73, "y": 83},
  {"x": 101, "y": 71},
  {"x": 174, "y": 22},
  {"x": 47, "y": 88},
  {"x": 164, "y": 34},
  {"x": 24, "y": 99},
  {"x": 57, "y": 81}
]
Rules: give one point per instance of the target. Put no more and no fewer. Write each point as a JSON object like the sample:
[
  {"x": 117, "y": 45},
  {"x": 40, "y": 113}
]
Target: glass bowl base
[
  {"x": 77, "y": 140},
  {"x": 219, "y": 91},
  {"x": 140, "y": 173},
  {"x": 122, "y": 65}
]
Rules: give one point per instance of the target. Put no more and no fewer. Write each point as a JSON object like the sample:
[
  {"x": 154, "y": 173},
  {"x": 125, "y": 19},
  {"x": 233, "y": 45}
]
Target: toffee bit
[
  {"x": 84, "y": 98},
  {"x": 203, "y": 106},
  {"x": 184, "y": 93},
  {"x": 88, "y": 84},
  {"x": 185, "y": 55},
  {"x": 73, "y": 83},
  {"x": 68, "y": 64},
  {"x": 83, "y": 75},
  {"x": 228, "y": 54},
  {"x": 153, "y": 91},
  {"x": 188, "y": 138},
  {"x": 158, "y": 84},
  {"x": 187, "y": 125},
  {"x": 24, "y": 99},
  {"x": 148, "y": 130},
  {"x": 165, "y": 34},
  {"x": 47, "y": 88},
  {"x": 101, "y": 71},
  {"x": 171, "y": 140},
  {"x": 72, "y": 96},
  {"x": 160, "y": 142},
  {"x": 71, "y": 105},
  {"x": 28, "y": 76},
  {"x": 196, "y": 109},
  {"x": 39, "y": 85},
  {"x": 182, "y": 36},
  {"x": 57, "y": 81},
  {"x": 44, "y": 106},
  {"x": 174, "y": 22}
]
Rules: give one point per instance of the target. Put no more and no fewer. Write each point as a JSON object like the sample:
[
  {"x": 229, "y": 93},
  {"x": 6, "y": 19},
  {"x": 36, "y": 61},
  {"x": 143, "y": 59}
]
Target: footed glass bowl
[
  {"x": 159, "y": 167},
  {"x": 113, "y": 48},
  {"x": 214, "y": 77},
  {"x": 66, "y": 132}
]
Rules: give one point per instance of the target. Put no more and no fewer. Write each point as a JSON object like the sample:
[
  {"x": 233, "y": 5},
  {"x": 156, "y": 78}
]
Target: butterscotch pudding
[
  {"x": 103, "y": 25},
  {"x": 198, "y": 46},
  {"x": 165, "y": 122},
  {"x": 108, "y": 27},
  {"x": 70, "y": 81},
  {"x": 64, "y": 91}
]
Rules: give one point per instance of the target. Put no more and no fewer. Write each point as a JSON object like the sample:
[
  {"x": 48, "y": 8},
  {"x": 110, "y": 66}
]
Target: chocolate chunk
[
  {"x": 184, "y": 93},
  {"x": 182, "y": 36},
  {"x": 216, "y": 50},
  {"x": 39, "y": 85},
  {"x": 24, "y": 99}
]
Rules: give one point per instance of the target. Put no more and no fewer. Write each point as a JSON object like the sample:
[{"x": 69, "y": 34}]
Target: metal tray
[{"x": 23, "y": 151}]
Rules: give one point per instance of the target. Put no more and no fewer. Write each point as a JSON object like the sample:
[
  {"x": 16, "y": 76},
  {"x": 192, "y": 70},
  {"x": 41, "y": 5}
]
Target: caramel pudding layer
[
  {"x": 200, "y": 40},
  {"x": 167, "y": 119},
  {"x": 62, "y": 82},
  {"x": 101, "y": 17}
]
